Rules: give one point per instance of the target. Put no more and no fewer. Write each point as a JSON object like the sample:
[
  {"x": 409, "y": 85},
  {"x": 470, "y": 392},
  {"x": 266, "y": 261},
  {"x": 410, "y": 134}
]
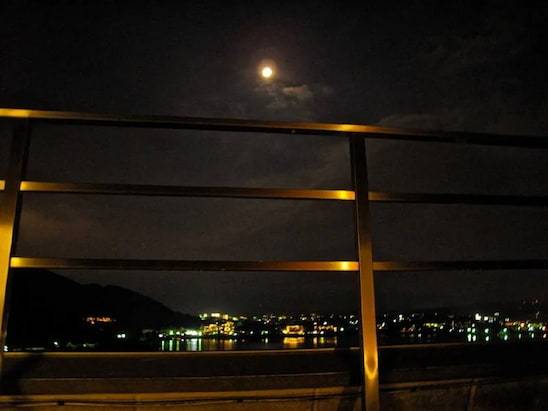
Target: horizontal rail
[
  {"x": 181, "y": 265},
  {"x": 369, "y": 131},
  {"x": 458, "y": 199},
  {"x": 264, "y": 352},
  {"x": 21, "y": 355},
  {"x": 460, "y": 265},
  {"x": 278, "y": 193},
  {"x": 162, "y": 190},
  {"x": 201, "y": 265}
]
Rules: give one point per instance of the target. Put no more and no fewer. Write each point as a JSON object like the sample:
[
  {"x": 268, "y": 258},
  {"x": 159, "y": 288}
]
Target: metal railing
[{"x": 15, "y": 184}]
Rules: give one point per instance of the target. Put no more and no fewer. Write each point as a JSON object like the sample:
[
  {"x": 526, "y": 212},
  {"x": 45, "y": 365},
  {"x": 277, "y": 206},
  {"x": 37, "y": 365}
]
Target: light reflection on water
[{"x": 210, "y": 344}]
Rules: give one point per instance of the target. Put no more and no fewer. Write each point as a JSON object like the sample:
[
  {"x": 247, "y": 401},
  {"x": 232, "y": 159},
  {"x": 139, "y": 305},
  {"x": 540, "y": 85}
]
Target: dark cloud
[{"x": 421, "y": 121}]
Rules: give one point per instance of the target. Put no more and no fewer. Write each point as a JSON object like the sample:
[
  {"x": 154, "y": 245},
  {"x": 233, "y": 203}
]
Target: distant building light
[
  {"x": 101, "y": 319},
  {"x": 121, "y": 336},
  {"x": 294, "y": 329}
]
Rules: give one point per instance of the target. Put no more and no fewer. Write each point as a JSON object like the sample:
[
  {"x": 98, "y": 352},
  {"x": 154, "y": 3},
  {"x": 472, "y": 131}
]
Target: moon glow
[{"x": 267, "y": 72}]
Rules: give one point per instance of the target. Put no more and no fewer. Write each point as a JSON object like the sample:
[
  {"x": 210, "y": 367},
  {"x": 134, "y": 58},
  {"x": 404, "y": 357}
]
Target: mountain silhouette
[{"x": 47, "y": 307}]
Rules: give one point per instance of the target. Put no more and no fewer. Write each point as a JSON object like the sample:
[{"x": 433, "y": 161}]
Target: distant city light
[{"x": 223, "y": 330}]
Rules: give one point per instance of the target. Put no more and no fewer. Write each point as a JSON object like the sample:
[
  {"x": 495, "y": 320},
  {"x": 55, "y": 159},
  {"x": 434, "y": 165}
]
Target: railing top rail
[{"x": 369, "y": 131}]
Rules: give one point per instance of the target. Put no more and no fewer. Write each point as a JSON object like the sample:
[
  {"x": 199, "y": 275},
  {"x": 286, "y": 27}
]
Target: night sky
[{"x": 408, "y": 64}]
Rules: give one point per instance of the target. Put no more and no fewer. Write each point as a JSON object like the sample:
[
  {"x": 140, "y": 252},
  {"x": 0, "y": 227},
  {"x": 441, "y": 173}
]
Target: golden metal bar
[
  {"x": 276, "y": 193},
  {"x": 181, "y": 265},
  {"x": 158, "y": 190},
  {"x": 471, "y": 199},
  {"x": 2, "y": 185},
  {"x": 460, "y": 265},
  {"x": 9, "y": 218},
  {"x": 200, "y": 265},
  {"x": 368, "y": 323},
  {"x": 195, "y": 123}
]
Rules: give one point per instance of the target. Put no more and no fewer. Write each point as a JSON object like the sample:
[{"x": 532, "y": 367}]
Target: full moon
[{"x": 267, "y": 72}]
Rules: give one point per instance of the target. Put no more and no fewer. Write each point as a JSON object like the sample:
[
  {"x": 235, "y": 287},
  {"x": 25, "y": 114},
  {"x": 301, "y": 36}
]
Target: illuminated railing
[{"x": 15, "y": 184}]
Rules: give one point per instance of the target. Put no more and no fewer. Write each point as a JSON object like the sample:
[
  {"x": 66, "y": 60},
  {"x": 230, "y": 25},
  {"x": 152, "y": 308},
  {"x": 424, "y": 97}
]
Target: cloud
[
  {"x": 298, "y": 101},
  {"x": 301, "y": 94}
]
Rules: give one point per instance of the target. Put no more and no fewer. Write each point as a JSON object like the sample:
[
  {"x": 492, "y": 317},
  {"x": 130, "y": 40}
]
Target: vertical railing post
[
  {"x": 9, "y": 218},
  {"x": 368, "y": 324}
]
